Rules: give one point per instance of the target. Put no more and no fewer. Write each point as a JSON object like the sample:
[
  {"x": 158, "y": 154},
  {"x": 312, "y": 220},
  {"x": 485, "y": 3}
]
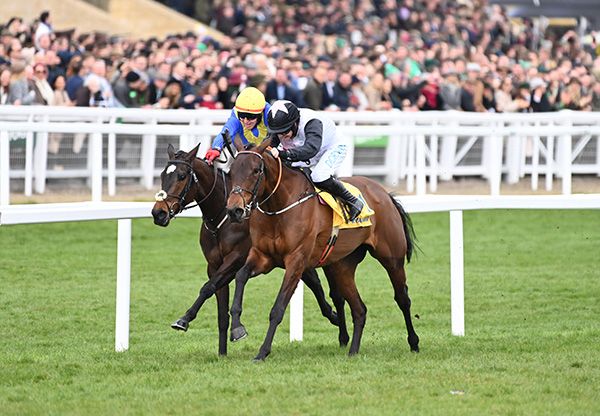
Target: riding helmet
[
  {"x": 282, "y": 116},
  {"x": 250, "y": 100}
]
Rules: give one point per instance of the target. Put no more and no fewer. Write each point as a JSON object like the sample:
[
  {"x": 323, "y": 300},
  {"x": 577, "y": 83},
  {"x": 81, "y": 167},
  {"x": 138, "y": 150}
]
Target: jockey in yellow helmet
[{"x": 248, "y": 119}]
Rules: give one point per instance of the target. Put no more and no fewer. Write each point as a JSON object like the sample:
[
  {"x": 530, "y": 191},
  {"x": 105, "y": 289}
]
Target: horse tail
[{"x": 409, "y": 231}]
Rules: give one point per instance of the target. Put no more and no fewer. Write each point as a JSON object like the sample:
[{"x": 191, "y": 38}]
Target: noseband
[{"x": 162, "y": 195}]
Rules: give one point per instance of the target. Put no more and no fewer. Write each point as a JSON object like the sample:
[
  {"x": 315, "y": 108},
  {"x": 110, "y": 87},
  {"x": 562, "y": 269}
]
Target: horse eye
[
  {"x": 181, "y": 176},
  {"x": 257, "y": 170}
]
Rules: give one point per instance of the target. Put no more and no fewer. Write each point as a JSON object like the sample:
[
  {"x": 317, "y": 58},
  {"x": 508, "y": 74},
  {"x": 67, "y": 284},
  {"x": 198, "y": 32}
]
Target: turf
[{"x": 532, "y": 307}]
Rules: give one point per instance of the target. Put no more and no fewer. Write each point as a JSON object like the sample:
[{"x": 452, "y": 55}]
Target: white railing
[
  {"x": 422, "y": 147},
  {"x": 125, "y": 211}
]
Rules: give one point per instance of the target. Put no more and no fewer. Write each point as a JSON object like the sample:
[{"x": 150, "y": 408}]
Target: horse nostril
[
  {"x": 235, "y": 214},
  {"x": 159, "y": 216}
]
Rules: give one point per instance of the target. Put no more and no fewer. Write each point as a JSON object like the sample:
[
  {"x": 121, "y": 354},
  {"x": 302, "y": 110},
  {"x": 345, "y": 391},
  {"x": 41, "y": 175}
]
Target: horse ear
[
  {"x": 266, "y": 143},
  {"x": 237, "y": 142},
  {"x": 171, "y": 152},
  {"x": 192, "y": 154}
]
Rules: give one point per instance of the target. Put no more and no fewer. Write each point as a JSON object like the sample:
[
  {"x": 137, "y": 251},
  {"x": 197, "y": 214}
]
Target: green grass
[{"x": 532, "y": 292}]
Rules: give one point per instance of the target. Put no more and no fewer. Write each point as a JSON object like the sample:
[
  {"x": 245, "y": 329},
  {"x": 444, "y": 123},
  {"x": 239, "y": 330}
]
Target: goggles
[{"x": 247, "y": 116}]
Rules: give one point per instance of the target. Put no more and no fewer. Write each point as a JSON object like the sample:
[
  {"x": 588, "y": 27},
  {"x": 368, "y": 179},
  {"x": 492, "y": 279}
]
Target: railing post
[
  {"x": 40, "y": 159},
  {"x": 495, "y": 160},
  {"x": 29, "y": 161},
  {"x": 549, "y": 162},
  {"x": 148, "y": 156},
  {"x": 410, "y": 164},
  {"x": 393, "y": 161},
  {"x": 448, "y": 153},
  {"x": 420, "y": 165},
  {"x": 513, "y": 157},
  {"x": 123, "y": 285},
  {"x": 457, "y": 285},
  {"x": 96, "y": 165},
  {"x": 111, "y": 161},
  {"x": 433, "y": 162},
  {"x": 564, "y": 160},
  {"x": 535, "y": 160},
  {"x": 4, "y": 168},
  {"x": 296, "y": 313}
]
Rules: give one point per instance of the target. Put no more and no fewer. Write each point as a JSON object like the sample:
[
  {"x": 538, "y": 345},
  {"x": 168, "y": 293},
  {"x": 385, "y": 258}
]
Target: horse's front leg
[
  {"x": 223, "y": 317},
  {"x": 256, "y": 264},
  {"x": 216, "y": 280},
  {"x": 293, "y": 271}
]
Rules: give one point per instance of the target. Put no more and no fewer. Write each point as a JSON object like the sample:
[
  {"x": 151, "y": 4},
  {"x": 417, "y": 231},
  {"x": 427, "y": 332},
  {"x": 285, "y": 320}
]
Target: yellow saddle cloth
[{"x": 363, "y": 220}]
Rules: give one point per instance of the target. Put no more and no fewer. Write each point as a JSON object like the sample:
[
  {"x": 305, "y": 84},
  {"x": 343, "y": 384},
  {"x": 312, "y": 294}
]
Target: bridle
[
  {"x": 162, "y": 195},
  {"x": 238, "y": 190}
]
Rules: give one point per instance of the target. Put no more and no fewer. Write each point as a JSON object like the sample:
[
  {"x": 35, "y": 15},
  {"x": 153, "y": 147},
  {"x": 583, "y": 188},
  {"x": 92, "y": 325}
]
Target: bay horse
[
  {"x": 225, "y": 244},
  {"x": 291, "y": 229}
]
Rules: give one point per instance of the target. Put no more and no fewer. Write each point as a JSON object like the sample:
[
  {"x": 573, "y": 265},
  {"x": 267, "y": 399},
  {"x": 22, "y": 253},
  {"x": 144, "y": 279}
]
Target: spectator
[
  {"x": 328, "y": 87},
  {"x": 20, "y": 91},
  {"x": 108, "y": 96},
  {"x": 280, "y": 88},
  {"x": 504, "y": 97},
  {"x": 75, "y": 76},
  {"x": 450, "y": 91},
  {"x": 44, "y": 95},
  {"x": 342, "y": 92},
  {"x": 313, "y": 92},
  {"x": 210, "y": 96},
  {"x": 225, "y": 94},
  {"x": 430, "y": 97},
  {"x": 171, "y": 98},
  {"x": 4, "y": 86},
  {"x": 539, "y": 99},
  {"x": 157, "y": 87},
  {"x": 61, "y": 98},
  {"x": 90, "y": 94},
  {"x": 178, "y": 73}
]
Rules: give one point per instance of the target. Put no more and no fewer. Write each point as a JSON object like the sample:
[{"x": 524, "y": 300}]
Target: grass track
[{"x": 532, "y": 288}]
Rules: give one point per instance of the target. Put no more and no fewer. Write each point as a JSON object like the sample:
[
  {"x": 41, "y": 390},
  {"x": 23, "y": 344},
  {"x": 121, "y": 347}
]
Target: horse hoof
[
  {"x": 238, "y": 333},
  {"x": 334, "y": 319},
  {"x": 257, "y": 359},
  {"x": 414, "y": 349},
  {"x": 180, "y": 325}
]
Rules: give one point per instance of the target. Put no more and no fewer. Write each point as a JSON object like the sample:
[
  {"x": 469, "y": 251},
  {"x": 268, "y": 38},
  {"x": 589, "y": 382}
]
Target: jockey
[
  {"x": 248, "y": 120},
  {"x": 303, "y": 135}
]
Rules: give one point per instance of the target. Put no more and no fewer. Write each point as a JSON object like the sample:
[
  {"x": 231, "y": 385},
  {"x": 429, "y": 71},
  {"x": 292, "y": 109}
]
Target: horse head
[
  {"x": 247, "y": 179},
  {"x": 176, "y": 179}
]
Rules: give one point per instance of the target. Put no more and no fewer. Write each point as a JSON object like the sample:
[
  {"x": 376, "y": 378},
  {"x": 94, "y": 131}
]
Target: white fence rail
[
  {"x": 422, "y": 147},
  {"x": 125, "y": 211}
]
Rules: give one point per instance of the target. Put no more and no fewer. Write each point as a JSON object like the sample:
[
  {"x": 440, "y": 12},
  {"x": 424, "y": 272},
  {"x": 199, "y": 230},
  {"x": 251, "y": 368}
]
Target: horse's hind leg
[
  {"x": 339, "y": 303},
  {"x": 311, "y": 279},
  {"x": 397, "y": 274},
  {"x": 342, "y": 273}
]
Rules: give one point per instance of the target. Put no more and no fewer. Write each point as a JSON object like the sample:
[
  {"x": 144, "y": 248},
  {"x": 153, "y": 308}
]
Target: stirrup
[{"x": 354, "y": 210}]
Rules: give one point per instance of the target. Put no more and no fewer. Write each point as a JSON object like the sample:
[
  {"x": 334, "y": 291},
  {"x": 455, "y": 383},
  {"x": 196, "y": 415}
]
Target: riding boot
[{"x": 337, "y": 189}]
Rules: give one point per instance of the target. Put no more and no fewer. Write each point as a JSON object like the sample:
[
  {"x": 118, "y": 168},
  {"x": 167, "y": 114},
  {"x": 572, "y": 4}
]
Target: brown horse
[
  {"x": 290, "y": 229},
  {"x": 225, "y": 244}
]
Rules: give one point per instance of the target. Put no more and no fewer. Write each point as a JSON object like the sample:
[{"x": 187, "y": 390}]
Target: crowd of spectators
[{"x": 333, "y": 55}]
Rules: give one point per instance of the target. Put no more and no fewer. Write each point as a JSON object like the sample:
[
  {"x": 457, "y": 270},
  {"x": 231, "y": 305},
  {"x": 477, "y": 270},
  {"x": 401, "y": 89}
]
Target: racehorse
[
  {"x": 291, "y": 229},
  {"x": 225, "y": 244}
]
